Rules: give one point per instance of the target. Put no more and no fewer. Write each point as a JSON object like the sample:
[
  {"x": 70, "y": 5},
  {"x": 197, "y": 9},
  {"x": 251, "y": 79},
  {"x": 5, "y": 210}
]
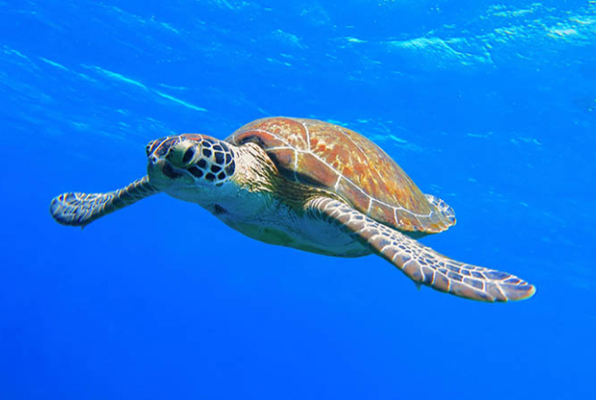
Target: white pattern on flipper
[{"x": 429, "y": 264}]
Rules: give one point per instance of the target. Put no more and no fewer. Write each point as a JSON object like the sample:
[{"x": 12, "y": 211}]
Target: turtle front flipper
[
  {"x": 420, "y": 263},
  {"x": 80, "y": 209}
]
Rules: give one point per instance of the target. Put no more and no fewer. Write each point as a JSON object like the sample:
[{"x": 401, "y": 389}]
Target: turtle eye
[
  {"x": 188, "y": 155},
  {"x": 182, "y": 154}
]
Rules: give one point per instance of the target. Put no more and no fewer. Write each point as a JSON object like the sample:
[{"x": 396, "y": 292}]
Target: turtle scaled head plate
[
  {"x": 344, "y": 162},
  {"x": 189, "y": 162}
]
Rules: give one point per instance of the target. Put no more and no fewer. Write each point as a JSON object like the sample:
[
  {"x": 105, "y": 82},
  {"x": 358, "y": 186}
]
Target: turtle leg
[
  {"x": 80, "y": 209},
  {"x": 420, "y": 263},
  {"x": 443, "y": 207}
]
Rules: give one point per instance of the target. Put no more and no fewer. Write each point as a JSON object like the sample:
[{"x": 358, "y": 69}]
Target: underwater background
[{"x": 489, "y": 105}]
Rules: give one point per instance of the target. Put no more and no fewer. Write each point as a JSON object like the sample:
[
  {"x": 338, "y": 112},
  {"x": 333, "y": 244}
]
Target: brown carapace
[{"x": 342, "y": 161}]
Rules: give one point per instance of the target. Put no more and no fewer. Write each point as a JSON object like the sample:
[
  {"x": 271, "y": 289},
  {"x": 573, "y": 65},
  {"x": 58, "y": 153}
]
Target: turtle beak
[{"x": 162, "y": 166}]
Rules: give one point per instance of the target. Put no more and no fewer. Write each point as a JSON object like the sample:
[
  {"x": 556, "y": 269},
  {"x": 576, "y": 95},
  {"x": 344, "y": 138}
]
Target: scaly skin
[
  {"x": 420, "y": 263},
  {"x": 80, "y": 209}
]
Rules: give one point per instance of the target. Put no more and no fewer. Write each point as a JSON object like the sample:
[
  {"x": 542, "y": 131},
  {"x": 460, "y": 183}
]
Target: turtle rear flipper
[
  {"x": 80, "y": 209},
  {"x": 420, "y": 263},
  {"x": 442, "y": 207}
]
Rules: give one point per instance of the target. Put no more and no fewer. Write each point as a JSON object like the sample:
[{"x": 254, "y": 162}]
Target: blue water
[{"x": 488, "y": 105}]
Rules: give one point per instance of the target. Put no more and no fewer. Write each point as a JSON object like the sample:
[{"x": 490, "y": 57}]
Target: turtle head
[{"x": 190, "y": 166}]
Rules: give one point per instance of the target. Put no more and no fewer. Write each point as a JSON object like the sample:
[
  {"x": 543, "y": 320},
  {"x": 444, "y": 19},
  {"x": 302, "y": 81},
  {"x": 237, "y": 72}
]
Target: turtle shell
[{"x": 340, "y": 160}]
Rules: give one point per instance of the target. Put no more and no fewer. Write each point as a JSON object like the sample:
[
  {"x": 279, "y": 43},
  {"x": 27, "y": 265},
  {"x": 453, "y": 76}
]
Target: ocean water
[{"x": 489, "y": 105}]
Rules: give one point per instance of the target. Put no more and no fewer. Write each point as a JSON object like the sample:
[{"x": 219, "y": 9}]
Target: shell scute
[
  {"x": 322, "y": 173},
  {"x": 358, "y": 197},
  {"x": 283, "y": 156},
  {"x": 384, "y": 212}
]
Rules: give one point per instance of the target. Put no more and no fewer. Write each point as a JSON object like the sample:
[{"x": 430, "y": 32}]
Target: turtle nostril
[{"x": 188, "y": 155}]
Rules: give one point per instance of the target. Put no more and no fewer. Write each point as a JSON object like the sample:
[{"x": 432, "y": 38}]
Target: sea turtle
[{"x": 310, "y": 185}]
